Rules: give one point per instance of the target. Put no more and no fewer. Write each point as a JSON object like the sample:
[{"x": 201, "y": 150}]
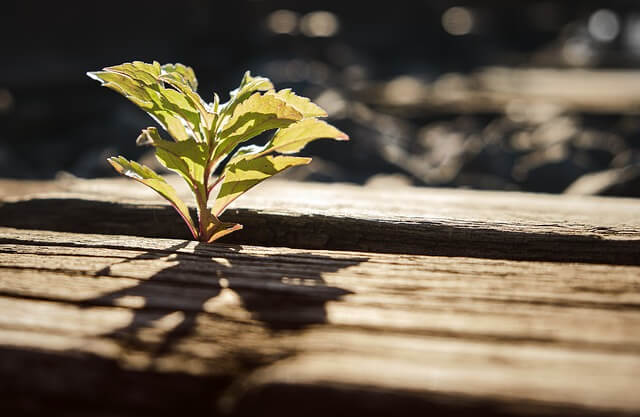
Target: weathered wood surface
[
  {"x": 519, "y": 226},
  {"x": 135, "y": 326},
  {"x": 513, "y": 90}
]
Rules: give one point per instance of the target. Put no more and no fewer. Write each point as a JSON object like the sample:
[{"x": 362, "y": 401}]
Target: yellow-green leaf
[
  {"x": 207, "y": 116},
  {"x": 141, "y": 83},
  {"x": 295, "y": 137},
  {"x": 188, "y": 158},
  {"x": 171, "y": 124},
  {"x": 145, "y": 97},
  {"x": 248, "y": 86},
  {"x": 145, "y": 73},
  {"x": 186, "y": 74},
  {"x": 253, "y": 116},
  {"x": 172, "y": 110},
  {"x": 302, "y": 104},
  {"x": 124, "y": 85},
  {"x": 247, "y": 152},
  {"x": 241, "y": 176},
  {"x": 149, "y": 178}
]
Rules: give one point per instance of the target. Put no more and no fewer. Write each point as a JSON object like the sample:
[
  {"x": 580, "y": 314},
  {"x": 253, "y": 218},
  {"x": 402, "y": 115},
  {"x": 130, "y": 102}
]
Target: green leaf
[
  {"x": 248, "y": 152},
  {"x": 241, "y": 176},
  {"x": 143, "y": 84},
  {"x": 185, "y": 73},
  {"x": 125, "y": 86},
  {"x": 171, "y": 124},
  {"x": 302, "y": 104},
  {"x": 149, "y": 178},
  {"x": 144, "y": 96},
  {"x": 248, "y": 86},
  {"x": 295, "y": 137},
  {"x": 188, "y": 158},
  {"x": 291, "y": 139},
  {"x": 207, "y": 116},
  {"x": 216, "y": 103},
  {"x": 253, "y": 116},
  {"x": 145, "y": 73},
  {"x": 173, "y": 102}
]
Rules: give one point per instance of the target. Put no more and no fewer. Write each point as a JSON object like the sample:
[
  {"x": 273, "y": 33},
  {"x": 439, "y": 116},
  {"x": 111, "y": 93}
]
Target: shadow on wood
[
  {"x": 276, "y": 301},
  {"x": 83, "y": 384},
  {"x": 283, "y": 306}
]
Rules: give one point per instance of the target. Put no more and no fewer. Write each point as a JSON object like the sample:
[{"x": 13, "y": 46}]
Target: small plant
[{"x": 205, "y": 134}]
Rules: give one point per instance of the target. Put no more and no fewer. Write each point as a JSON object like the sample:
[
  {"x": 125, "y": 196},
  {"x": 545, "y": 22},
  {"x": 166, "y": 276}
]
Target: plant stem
[
  {"x": 203, "y": 215},
  {"x": 212, "y": 186}
]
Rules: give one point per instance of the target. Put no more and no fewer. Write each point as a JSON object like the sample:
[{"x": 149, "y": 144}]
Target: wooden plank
[
  {"x": 519, "y": 226},
  {"x": 512, "y": 90},
  {"x": 164, "y": 327}
]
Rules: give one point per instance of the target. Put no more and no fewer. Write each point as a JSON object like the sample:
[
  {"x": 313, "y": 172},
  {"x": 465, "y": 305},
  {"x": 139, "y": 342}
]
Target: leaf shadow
[{"x": 283, "y": 292}]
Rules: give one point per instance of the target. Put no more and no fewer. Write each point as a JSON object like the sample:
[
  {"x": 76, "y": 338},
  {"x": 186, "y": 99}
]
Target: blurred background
[{"x": 539, "y": 96}]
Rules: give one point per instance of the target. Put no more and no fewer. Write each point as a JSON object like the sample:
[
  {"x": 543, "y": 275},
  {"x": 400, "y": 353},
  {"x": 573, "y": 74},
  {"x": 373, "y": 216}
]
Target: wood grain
[
  {"x": 410, "y": 220},
  {"x": 135, "y": 326}
]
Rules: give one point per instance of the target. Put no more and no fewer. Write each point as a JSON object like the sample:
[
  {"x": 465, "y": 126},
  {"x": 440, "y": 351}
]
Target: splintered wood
[{"x": 95, "y": 324}]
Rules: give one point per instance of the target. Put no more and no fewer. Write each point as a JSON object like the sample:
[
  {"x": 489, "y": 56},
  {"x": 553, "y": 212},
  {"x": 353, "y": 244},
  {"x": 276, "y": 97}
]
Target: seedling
[{"x": 205, "y": 134}]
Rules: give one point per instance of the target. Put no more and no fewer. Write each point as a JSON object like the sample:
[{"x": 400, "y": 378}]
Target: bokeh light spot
[
  {"x": 282, "y": 21},
  {"x": 604, "y": 25},
  {"x": 578, "y": 51},
  {"x": 404, "y": 90},
  {"x": 320, "y": 24},
  {"x": 457, "y": 21}
]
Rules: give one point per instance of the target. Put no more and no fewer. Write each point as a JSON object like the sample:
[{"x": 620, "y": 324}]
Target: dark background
[{"x": 370, "y": 64}]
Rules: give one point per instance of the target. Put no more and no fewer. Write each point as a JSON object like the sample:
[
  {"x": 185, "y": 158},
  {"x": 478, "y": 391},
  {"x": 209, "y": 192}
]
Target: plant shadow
[{"x": 280, "y": 291}]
